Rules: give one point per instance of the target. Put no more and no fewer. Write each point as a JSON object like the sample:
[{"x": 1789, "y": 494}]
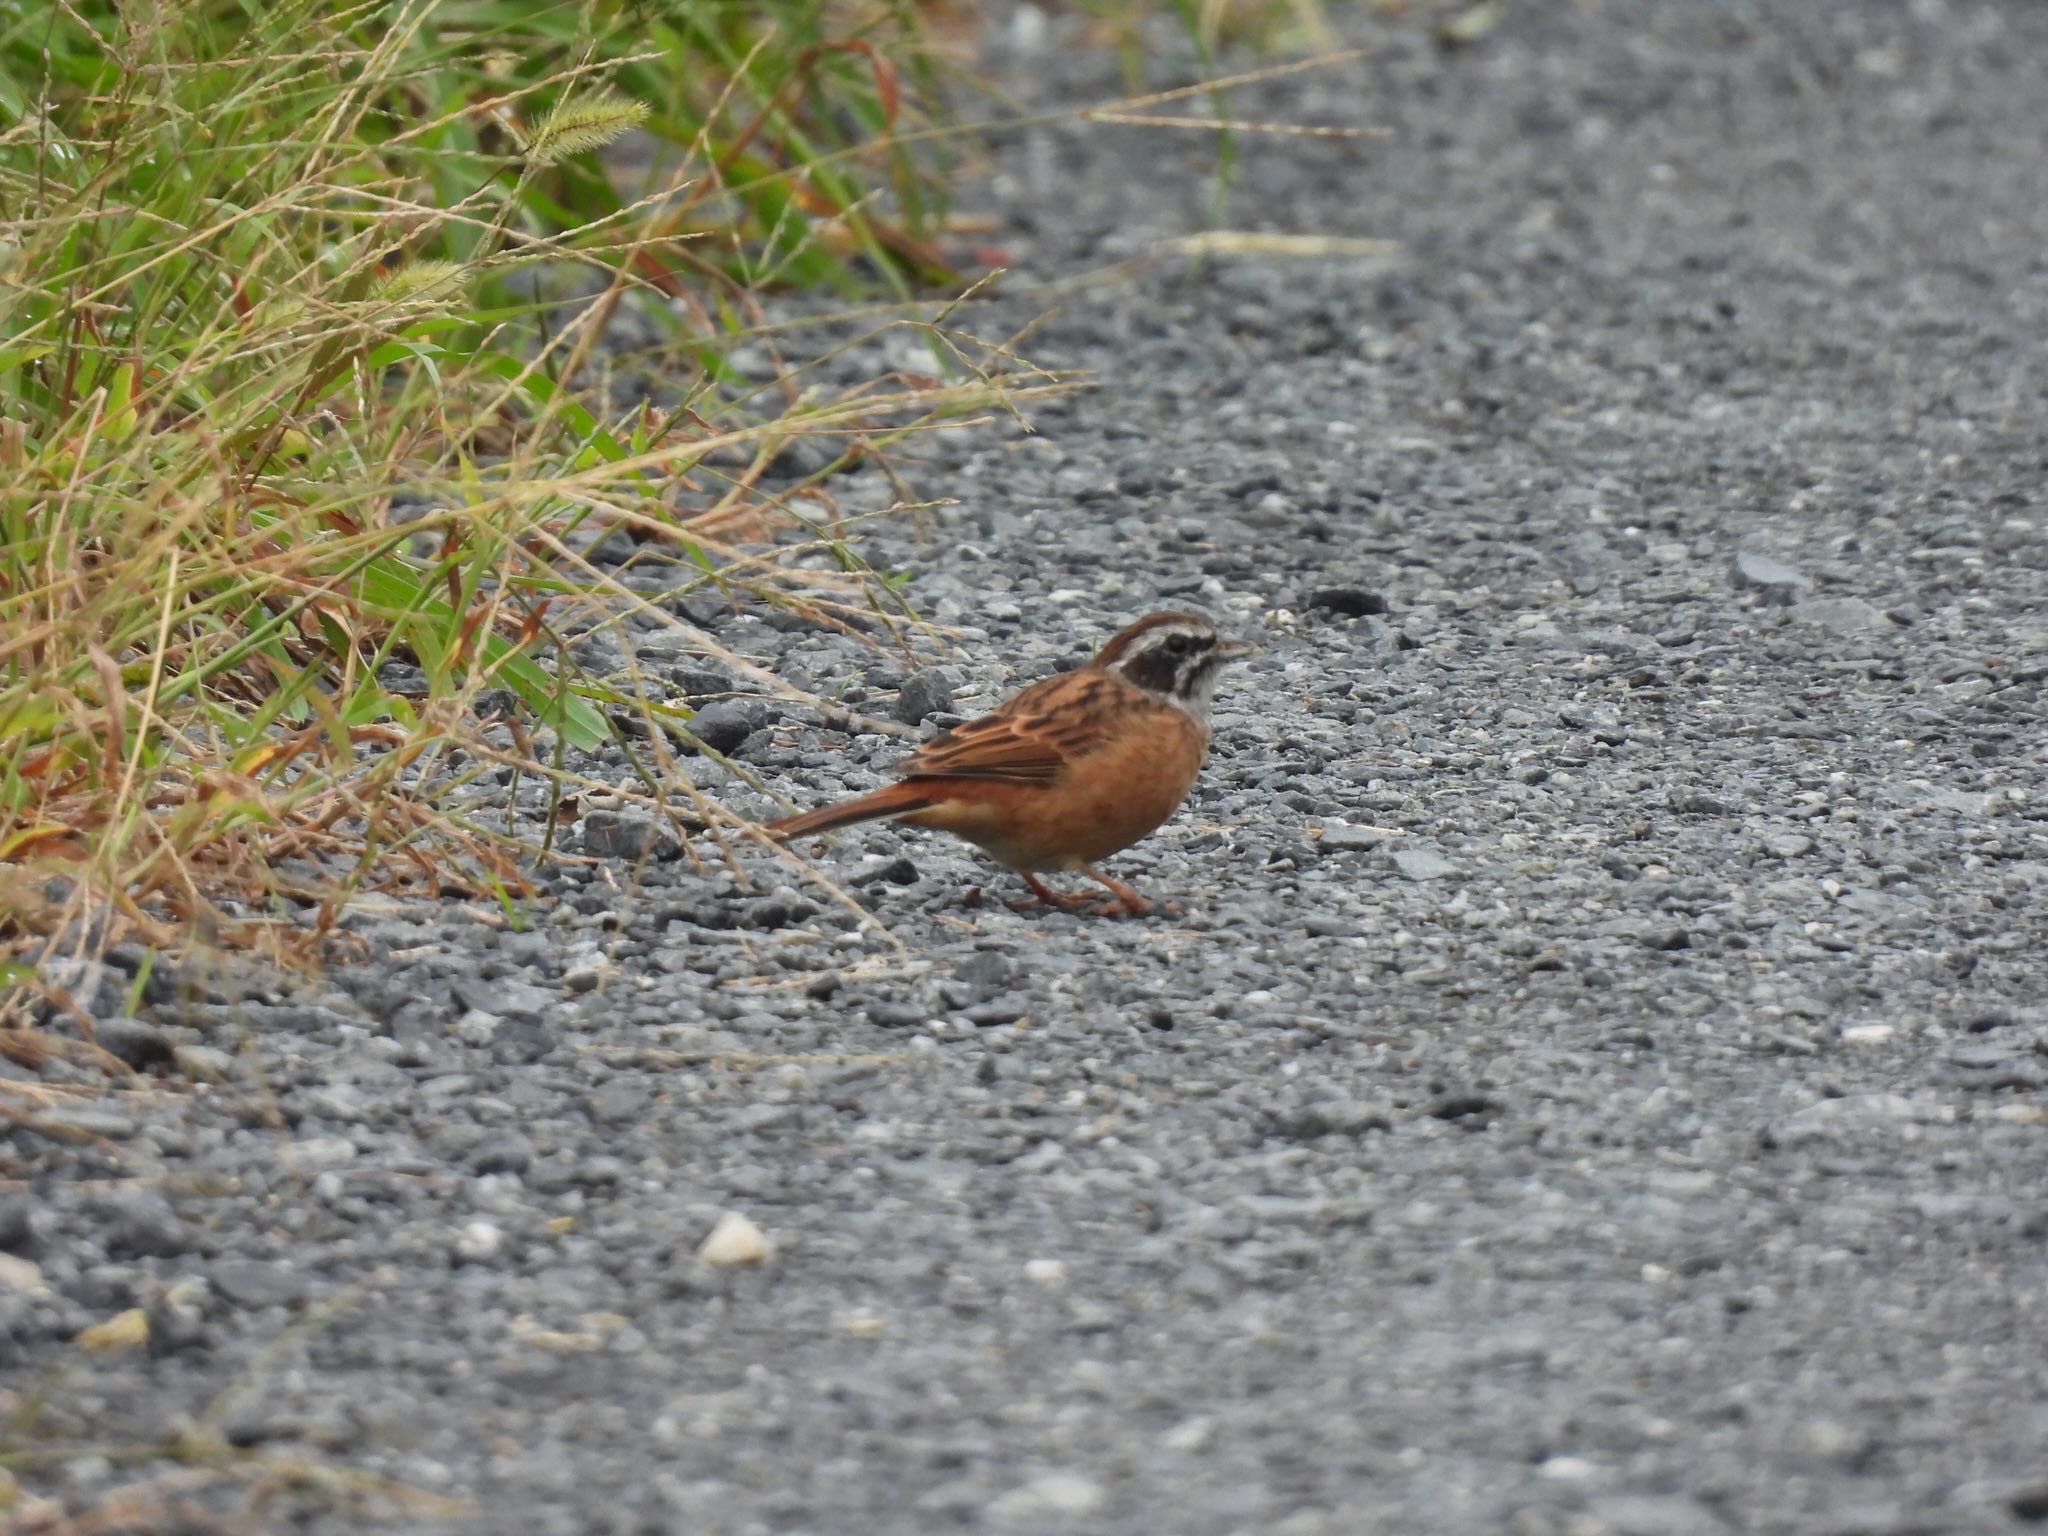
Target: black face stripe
[{"x": 1171, "y": 662}]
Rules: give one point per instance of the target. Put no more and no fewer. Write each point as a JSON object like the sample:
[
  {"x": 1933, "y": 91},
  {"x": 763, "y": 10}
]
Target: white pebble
[{"x": 735, "y": 1240}]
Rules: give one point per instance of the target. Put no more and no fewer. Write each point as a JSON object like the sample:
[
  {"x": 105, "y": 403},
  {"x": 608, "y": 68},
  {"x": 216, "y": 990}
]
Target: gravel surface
[{"x": 1597, "y": 1083}]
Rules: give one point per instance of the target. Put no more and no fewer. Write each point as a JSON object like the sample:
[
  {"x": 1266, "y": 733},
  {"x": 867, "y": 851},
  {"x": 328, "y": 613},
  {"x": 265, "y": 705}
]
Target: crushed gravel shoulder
[{"x": 1597, "y": 1084}]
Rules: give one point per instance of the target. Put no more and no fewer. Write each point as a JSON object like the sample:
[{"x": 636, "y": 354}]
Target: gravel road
[{"x": 1597, "y": 1084}]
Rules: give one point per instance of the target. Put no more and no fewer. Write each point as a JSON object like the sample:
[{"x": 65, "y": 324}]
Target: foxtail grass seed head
[
  {"x": 579, "y": 123},
  {"x": 423, "y": 284}
]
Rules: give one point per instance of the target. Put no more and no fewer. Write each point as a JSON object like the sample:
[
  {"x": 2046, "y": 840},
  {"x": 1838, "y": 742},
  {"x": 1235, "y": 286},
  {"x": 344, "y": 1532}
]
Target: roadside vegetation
[
  {"x": 362, "y": 367},
  {"x": 309, "y": 422}
]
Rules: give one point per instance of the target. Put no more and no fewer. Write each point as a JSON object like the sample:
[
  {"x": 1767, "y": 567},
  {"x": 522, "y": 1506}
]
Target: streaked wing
[{"x": 1033, "y": 736}]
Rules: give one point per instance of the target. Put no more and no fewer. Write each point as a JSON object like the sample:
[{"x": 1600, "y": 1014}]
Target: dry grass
[
  {"x": 313, "y": 435},
  {"x": 301, "y": 338}
]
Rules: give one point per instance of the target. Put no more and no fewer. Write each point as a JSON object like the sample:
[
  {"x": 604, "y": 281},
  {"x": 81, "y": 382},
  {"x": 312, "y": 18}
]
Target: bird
[{"x": 1069, "y": 770}]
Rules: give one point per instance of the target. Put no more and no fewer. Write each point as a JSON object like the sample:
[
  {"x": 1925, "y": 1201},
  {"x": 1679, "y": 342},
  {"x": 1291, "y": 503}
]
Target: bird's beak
[{"x": 1234, "y": 650}]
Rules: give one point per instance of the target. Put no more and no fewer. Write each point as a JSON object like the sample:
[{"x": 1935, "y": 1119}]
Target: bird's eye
[{"x": 1177, "y": 645}]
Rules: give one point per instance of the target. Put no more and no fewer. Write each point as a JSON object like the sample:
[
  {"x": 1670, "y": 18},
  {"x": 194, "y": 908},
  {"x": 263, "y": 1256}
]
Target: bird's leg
[
  {"x": 1128, "y": 902},
  {"x": 1047, "y": 896}
]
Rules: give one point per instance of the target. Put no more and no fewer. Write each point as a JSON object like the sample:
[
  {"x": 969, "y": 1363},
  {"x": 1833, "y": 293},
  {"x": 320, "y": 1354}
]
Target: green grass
[{"x": 299, "y": 377}]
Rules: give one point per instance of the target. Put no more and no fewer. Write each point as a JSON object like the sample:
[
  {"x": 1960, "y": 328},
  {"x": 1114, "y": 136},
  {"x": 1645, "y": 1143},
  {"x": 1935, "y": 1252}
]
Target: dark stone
[
  {"x": 722, "y": 726},
  {"x": 777, "y": 912},
  {"x": 508, "y": 1152},
  {"x": 253, "y": 1423},
  {"x": 705, "y": 912},
  {"x": 1352, "y": 602},
  {"x": 145, "y": 1226},
  {"x": 24, "y": 1226},
  {"x": 2030, "y": 1504},
  {"x": 897, "y": 1015},
  {"x": 628, "y": 835},
  {"x": 701, "y": 682},
  {"x": 140, "y": 1045},
  {"x": 1006, "y": 1010},
  {"x": 802, "y": 457},
  {"x": 898, "y": 871},
  {"x": 923, "y": 694},
  {"x": 703, "y": 609},
  {"x": 1462, "y": 1106}
]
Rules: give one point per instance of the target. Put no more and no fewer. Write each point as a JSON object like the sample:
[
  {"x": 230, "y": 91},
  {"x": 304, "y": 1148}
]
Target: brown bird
[{"x": 1071, "y": 769}]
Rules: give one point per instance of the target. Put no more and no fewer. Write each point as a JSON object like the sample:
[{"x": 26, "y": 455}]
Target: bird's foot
[
  {"x": 1127, "y": 902},
  {"x": 1123, "y": 902},
  {"x": 1043, "y": 896}
]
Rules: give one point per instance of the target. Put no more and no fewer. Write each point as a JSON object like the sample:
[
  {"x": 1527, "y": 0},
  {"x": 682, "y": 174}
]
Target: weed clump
[{"x": 310, "y": 425}]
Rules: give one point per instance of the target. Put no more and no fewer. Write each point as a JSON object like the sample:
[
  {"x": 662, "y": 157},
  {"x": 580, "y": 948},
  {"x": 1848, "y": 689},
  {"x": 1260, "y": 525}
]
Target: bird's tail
[{"x": 896, "y": 800}]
